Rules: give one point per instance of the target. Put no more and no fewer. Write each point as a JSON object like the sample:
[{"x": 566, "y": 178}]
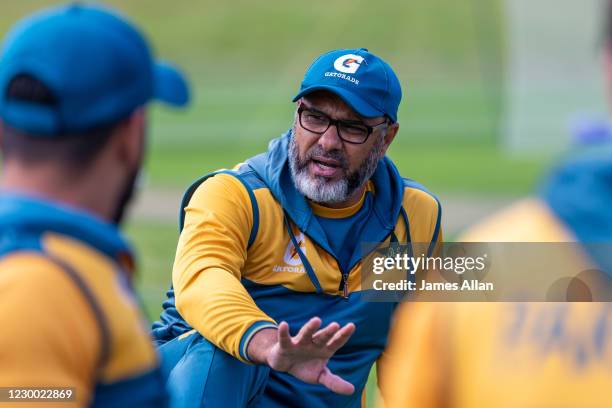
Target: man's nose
[{"x": 330, "y": 140}]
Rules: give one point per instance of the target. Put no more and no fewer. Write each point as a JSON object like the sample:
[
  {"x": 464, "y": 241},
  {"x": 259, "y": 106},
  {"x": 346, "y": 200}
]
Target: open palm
[{"x": 305, "y": 356}]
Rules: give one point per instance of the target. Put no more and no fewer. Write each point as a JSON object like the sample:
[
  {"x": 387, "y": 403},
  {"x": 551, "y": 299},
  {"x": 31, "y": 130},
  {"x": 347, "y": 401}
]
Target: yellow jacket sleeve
[
  {"x": 211, "y": 253},
  {"x": 38, "y": 351}
]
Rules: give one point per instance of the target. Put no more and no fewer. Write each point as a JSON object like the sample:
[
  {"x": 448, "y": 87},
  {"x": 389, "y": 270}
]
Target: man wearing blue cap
[
  {"x": 266, "y": 306},
  {"x": 74, "y": 82}
]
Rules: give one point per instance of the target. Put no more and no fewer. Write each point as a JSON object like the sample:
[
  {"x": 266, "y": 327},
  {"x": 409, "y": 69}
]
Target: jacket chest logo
[{"x": 291, "y": 258}]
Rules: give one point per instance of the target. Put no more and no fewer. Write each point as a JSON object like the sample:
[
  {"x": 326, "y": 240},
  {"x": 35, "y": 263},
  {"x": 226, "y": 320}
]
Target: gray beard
[{"x": 321, "y": 189}]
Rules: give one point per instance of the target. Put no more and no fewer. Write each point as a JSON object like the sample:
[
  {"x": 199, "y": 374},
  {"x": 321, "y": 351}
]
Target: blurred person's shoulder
[{"x": 527, "y": 220}]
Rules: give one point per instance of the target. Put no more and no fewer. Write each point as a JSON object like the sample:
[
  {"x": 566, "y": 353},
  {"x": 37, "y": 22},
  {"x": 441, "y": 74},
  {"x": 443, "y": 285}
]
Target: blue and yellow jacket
[
  {"x": 68, "y": 313},
  {"x": 252, "y": 253},
  {"x": 464, "y": 355}
]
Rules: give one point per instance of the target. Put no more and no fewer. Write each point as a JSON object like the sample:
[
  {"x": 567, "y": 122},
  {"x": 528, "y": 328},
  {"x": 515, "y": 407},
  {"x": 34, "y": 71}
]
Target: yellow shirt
[{"x": 494, "y": 355}]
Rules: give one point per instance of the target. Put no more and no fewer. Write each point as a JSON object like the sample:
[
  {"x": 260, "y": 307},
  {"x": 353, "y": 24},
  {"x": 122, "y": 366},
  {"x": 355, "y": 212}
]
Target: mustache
[{"x": 318, "y": 151}]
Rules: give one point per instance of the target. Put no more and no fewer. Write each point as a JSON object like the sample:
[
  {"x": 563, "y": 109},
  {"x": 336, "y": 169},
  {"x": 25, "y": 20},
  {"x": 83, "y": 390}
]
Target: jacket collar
[
  {"x": 35, "y": 216},
  {"x": 579, "y": 193}
]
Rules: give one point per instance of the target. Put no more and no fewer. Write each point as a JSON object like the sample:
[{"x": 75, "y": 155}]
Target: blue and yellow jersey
[
  {"x": 68, "y": 313},
  {"x": 544, "y": 355},
  {"x": 254, "y": 252}
]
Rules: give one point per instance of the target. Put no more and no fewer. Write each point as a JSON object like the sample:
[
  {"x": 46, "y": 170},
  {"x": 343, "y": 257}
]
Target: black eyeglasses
[{"x": 349, "y": 131}]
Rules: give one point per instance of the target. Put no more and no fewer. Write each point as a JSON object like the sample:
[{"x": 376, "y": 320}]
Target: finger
[
  {"x": 321, "y": 337},
  {"x": 284, "y": 338},
  {"x": 335, "y": 383},
  {"x": 341, "y": 337},
  {"x": 306, "y": 332}
]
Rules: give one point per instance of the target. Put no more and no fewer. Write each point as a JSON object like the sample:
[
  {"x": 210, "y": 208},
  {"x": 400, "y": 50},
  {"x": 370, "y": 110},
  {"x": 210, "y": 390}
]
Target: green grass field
[{"x": 246, "y": 60}]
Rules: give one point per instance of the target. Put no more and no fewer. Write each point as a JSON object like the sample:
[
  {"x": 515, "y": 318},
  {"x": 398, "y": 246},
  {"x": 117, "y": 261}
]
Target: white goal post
[{"x": 553, "y": 71}]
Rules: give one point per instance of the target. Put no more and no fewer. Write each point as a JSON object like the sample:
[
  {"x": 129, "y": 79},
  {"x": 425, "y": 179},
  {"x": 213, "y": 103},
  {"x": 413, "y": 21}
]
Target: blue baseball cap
[
  {"x": 361, "y": 79},
  {"x": 97, "y": 65}
]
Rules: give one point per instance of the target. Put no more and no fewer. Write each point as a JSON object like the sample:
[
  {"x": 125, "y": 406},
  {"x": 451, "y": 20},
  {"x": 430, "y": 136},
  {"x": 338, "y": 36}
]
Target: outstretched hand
[{"x": 305, "y": 356}]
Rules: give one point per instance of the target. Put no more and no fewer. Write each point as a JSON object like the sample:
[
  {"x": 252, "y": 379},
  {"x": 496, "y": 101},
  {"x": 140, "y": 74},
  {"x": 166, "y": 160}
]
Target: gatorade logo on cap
[
  {"x": 343, "y": 72},
  {"x": 349, "y": 63}
]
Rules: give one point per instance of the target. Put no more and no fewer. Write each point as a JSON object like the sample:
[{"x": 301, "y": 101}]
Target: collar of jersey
[
  {"x": 579, "y": 193},
  {"x": 36, "y": 215},
  {"x": 345, "y": 212}
]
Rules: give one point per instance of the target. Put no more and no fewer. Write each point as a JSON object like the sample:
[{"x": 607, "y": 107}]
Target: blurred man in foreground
[
  {"x": 459, "y": 355},
  {"x": 74, "y": 83}
]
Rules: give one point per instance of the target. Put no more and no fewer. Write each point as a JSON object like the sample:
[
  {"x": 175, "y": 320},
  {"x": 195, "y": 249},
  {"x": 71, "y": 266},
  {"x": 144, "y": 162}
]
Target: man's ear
[
  {"x": 131, "y": 138},
  {"x": 392, "y": 130}
]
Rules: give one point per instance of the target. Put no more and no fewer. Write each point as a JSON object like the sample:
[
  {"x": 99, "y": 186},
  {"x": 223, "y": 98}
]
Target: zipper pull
[{"x": 345, "y": 285}]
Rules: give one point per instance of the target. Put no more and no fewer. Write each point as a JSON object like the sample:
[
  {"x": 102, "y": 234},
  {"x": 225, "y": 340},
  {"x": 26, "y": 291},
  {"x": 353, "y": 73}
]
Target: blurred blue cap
[
  {"x": 97, "y": 65},
  {"x": 361, "y": 79}
]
